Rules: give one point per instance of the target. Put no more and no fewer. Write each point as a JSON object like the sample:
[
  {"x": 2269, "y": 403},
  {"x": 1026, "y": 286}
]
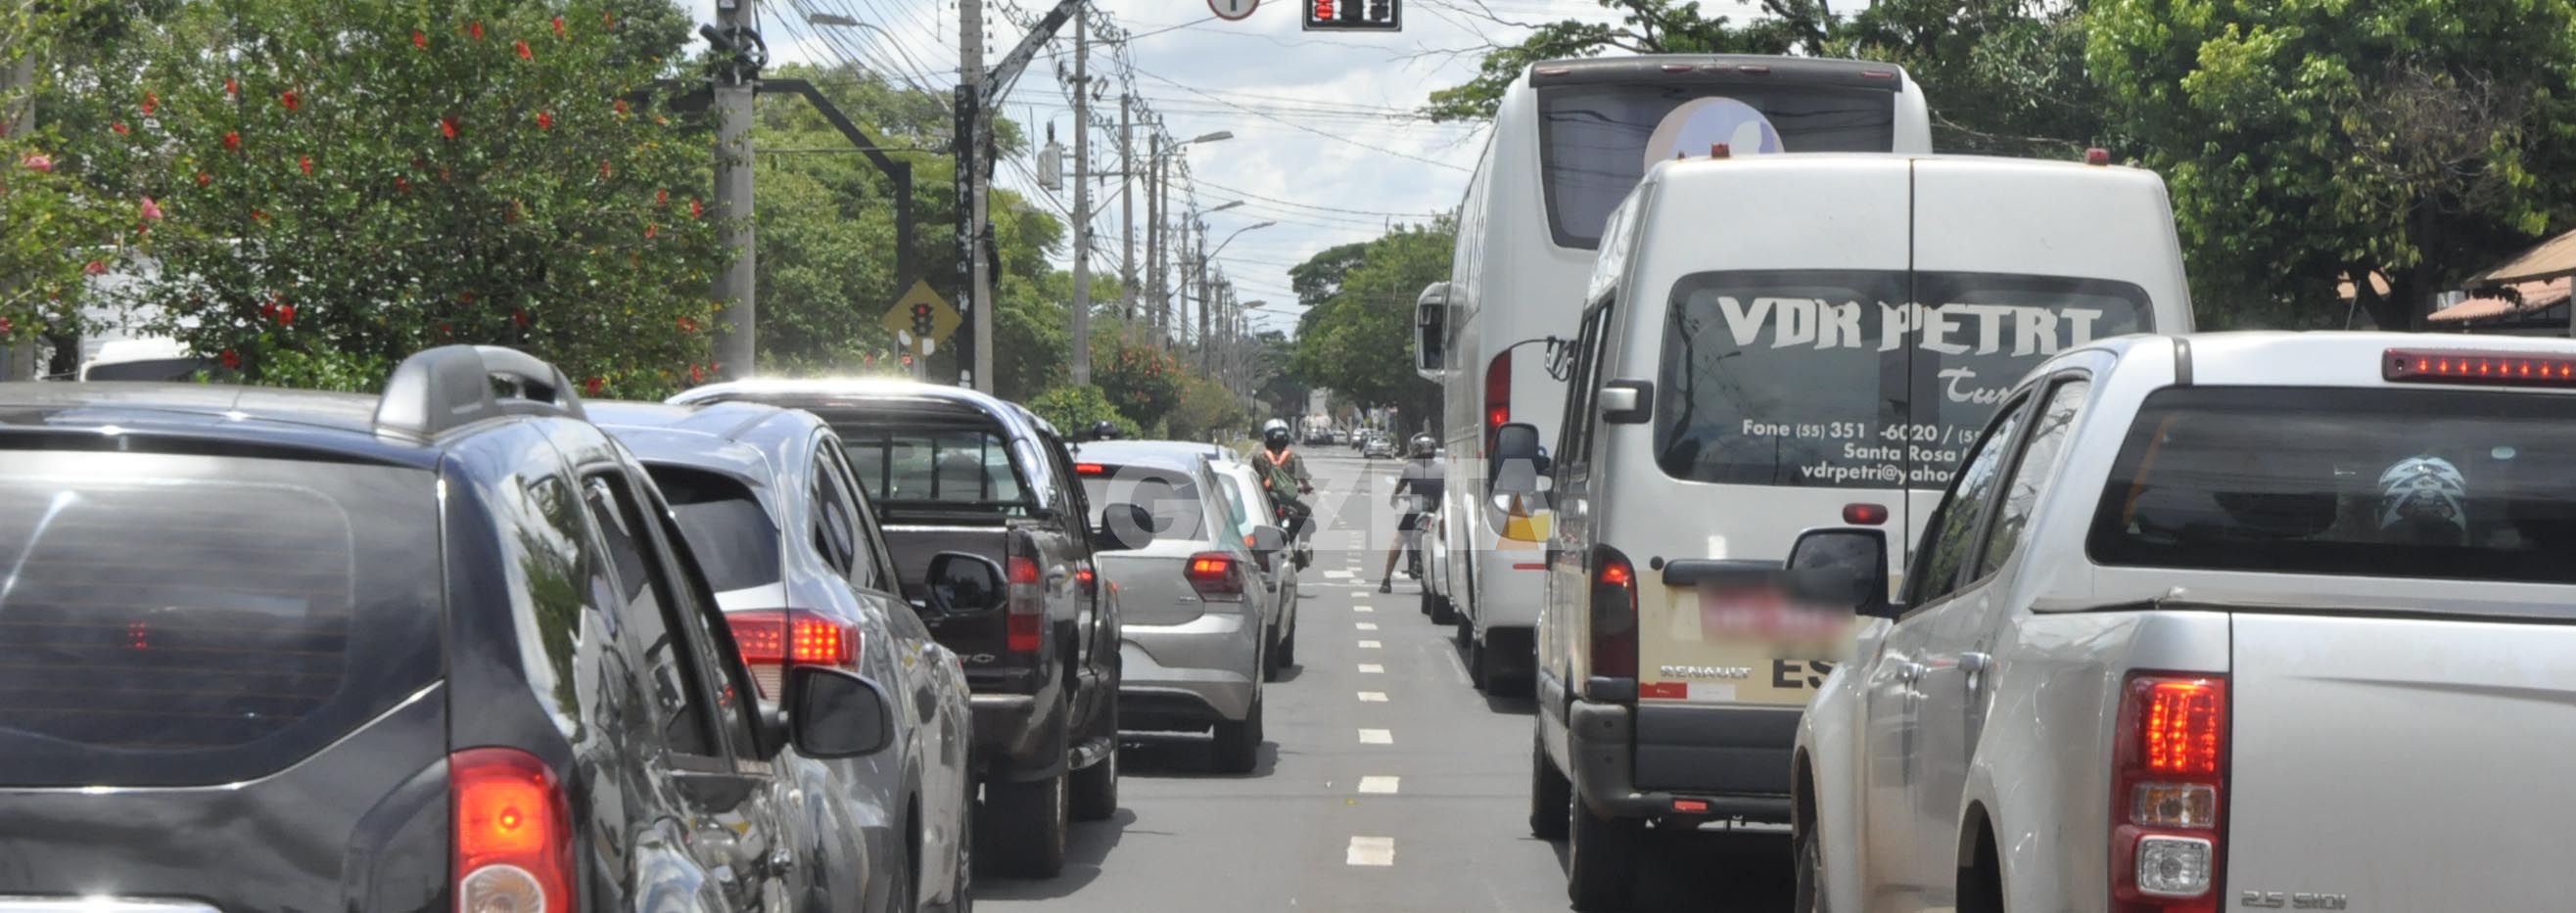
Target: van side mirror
[
  {"x": 1128, "y": 527},
  {"x": 1842, "y": 566},
  {"x": 1431, "y": 332},
  {"x": 965, "y": 584},
  {"x": 837, "y": 714}
]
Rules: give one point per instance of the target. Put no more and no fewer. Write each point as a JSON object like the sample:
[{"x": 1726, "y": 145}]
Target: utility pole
[
  {"x": 974, "y": 358},
  {"x": 1081, "y": 202},
  {"x": 1127, "y": 206},
  {"x": 1154, "y": 229},
  {"x": 733, "y": 34},
  {"x": 1163, "y": 269},
  {"x": 1207, "y": 342}
]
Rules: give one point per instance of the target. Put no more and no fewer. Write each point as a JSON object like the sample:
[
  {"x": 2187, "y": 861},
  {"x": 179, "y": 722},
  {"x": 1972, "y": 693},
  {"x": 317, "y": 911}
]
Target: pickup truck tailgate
[
  {"x": 2400, "y": 764},
  {"x": 981, "y": 640}
]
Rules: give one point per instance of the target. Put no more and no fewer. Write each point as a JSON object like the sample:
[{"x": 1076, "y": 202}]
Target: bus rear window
[
  {"x": 1858, "y": 378},
  {"x": 2454, "y": 484},
  {"x": 1596, "y": 140}
]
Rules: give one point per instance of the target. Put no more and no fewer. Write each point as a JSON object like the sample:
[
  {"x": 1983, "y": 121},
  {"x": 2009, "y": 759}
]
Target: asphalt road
[{"x": 1389, "y": 783}]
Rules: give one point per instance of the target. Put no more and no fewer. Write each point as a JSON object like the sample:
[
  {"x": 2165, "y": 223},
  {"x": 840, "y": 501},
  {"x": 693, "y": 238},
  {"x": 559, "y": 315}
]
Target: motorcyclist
[
  {"x": 1283, "y": 472},
  {"x": 1416, "y": 491}
]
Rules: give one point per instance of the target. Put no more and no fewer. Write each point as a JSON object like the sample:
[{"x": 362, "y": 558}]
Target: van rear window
[
  {"x": 1858, "y": 378},
  {"x": 176, "y": 619},
  {"x": 2453, "y": 484}
]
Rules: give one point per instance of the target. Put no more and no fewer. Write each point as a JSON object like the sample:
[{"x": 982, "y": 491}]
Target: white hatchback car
[{"x": 2231, "y": 621}]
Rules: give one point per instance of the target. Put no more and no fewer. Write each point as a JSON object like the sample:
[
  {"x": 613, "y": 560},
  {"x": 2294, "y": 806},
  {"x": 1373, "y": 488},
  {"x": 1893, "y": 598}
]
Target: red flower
[
  {"x": 268, "y": 309},
  {"x": 151, "y": 103},
  {"x": 204, "y": 179},
  {"x": 402, "y": 184},
  {"x": 447, "y": 127},
  {"x": 446, "y": 330},
  {"x": 697, "y": 210},
  {"x": 307, "y": 164},
  {"x": 594, "y": 385},
  {"x": 119, "y": 128},
  {"x": 661, "y": 198},
  {"x": 519, "y": 317},
  {"x": 608, "y": 19},
  {"x": 38, "y": 162},
  {"x": 524, "y": 53},
  {"x": 475, "y": 30},
  {"x": 232, "y": 360},
  {"x": 232, "y": 140},
  {"x": 559, "y": 31},
  {"x": 286, "y": 315},
  {"x": 606, "y": 172},
  {"x": 420, "y": 39},
  {"x": 151, "y": 210},
  {"x": 688, "y": 326},
  {"x": 697, "y": 376},
  {"x": 6, "y": 326},
  {"x": 467, "y": 297},
  {"x": 545, "y": 120},
  {"x": 232, "y": 87},
  {"x": 621, "y": 107},
  {"x": 259, "y": 215},
  {"x": 290, "y": 101},
  {"x": 651, "y": 230},
  {"x": 95, "y": 268}
]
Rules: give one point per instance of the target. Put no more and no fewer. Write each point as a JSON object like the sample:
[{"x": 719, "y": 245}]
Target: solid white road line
[
  {"x": 1371, "y": 851},
  {"x": 1371, "y": 669},
  {"x": 1367, "y": 626},
  {"x": 1384, "y": 786},
  {"x": 1369, "y": 645},
  {"x": 1377, "y": 737},
  {"x": 1372, "y": 697}
]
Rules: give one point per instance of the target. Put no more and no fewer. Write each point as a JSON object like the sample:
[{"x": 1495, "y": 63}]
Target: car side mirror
[
  {"x": 965, "y": 584},
  {"x": 1843, "y": 566},
  {"x": 836, "y": 713},
  {"x": 1267, "y": 540},
  {"x": 1127, "y": 526}
]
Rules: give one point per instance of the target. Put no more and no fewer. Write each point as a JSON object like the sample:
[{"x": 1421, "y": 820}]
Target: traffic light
[
  {"x": 1354, "y": 15},
  {"x": 921, "y": 323}
]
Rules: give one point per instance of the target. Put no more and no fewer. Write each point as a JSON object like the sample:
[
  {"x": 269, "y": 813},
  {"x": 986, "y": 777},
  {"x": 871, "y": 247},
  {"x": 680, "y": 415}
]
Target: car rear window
[
  {"x": 185, "y": 619},
  {"x": 1831, "y": 378},
  {"x": 735, "y": 541},
  {"x": 1170, "y": 495},
  {"x": 933, "y": 467},
  {"x": 2459, "y": 484},
  {"x": 1239, "y": 493}
]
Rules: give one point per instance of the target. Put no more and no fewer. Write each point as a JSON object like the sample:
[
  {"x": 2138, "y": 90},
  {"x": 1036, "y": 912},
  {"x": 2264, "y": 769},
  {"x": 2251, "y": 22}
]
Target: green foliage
[
  {"x": 56, "y": 226},
  {"x": 1141, "y": 379},
  {"x": 417, "y": 175},
  {"x": 1358, "y": 341},
  {"x": 1074, "y": 410},
  {"x": 1206, "y": 408}
]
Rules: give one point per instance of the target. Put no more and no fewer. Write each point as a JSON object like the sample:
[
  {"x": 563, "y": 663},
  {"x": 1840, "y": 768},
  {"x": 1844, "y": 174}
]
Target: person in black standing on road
[{"x": 1416, "y": 491}]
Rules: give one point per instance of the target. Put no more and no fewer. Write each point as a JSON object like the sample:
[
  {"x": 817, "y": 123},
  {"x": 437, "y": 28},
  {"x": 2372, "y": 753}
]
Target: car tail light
[
  {"x": 1614, "y": 614},
  {"x": 2168, "y": 794},
  {"x": 1498, "y": 395},
  {"x": 1090, "y": 469},
  {"x": 1216, "y": 575},
  {"x": 1027, "y": 614},
  {"x": 1090, "y": 580},
  {"x": 773, "y": 639},
  {"x": 2480, "y": 368},
  {"x": 513, "y": 833}
]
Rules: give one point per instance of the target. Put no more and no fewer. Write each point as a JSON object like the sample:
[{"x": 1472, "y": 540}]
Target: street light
[
  {"x": 844, "y": 22},
  {"x": 1223, "y": 208},
  {"x": 1211, "y": 137},
  {"x": 1229, "y": 239}
]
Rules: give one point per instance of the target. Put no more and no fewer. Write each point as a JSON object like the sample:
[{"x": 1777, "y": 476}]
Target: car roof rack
[{"x": 451, "y": 386}]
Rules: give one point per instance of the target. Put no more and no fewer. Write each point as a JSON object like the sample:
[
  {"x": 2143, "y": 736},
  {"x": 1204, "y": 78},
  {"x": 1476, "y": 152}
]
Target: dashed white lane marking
[
  {"x": 1338, "y": 574},
  {"x": 1367, "y": 626},
  {"x": 1377, "y": 737},
  {"x": 1372, "y": 669},
  {"x": 1384, "y": 786},
  {"x": 1371, "y": 851},
  {"x": 1372, "y": 697},
  {"x": 1369, "y": 645},
  {"x": 1362, "y": 608}
]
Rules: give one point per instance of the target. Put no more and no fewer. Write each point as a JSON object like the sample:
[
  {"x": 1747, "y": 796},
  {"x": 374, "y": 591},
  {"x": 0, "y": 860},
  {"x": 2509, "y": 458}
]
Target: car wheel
[
  {"x": 1599, "y": 858},
  {"x": 1489, "y": 673},
  {"x": 1238, "y": 742},
  {"x": 1809, "y": 867},
  {"x": 900, "y": 896},
  {"x": 1549, "y": 793},
  {"x": 1476, "y": 654},
  {"x": 961, "y": 891},
  {"x": 1443, "y": 612},
  {"x": 1270, "y": 662},
  {"x": 1095, "y": 788},
  {"x": 1286, "y": 653},
  {"x": 1026, "y": 824}
]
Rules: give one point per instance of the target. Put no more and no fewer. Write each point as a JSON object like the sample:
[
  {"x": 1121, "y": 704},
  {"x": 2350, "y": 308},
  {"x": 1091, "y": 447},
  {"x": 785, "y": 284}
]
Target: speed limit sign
[{"x": 1233, "y": 10}]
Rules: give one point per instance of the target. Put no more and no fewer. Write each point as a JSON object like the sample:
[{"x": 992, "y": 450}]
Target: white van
[
  {"x": 1768, "y": 345},
  {"x": 1570, "y": 138}
]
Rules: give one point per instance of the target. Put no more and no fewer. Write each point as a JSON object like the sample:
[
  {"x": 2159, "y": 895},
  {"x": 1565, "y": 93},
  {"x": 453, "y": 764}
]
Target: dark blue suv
[{"x": 443, "y": 650}]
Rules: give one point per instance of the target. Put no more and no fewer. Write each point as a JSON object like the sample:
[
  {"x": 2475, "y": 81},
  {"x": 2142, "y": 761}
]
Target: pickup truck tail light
[
  {"x": 2169, "y": 781},
  {"x": 512, "y": 835},
  {"x": 1217, "y": 576},
  {"x": 773, "y": 639},
  {"x": 1027, "y": 613},
  {"x": 1614, "y": 614}
]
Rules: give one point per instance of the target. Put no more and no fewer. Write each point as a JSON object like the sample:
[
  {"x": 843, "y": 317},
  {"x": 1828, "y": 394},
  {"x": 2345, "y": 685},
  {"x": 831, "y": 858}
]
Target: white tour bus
[{"x": 1571, "y": 139}]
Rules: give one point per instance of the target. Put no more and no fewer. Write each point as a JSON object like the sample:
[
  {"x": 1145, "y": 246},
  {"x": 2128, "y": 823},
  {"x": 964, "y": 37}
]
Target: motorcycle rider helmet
[{"x": 1423, "y": 446}]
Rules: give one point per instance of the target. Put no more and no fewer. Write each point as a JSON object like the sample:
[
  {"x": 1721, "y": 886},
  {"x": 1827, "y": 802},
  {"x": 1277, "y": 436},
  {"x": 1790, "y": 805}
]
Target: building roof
[
  {"x": 2537, "y": 295},
  {"x": 2549, "y": 259}
]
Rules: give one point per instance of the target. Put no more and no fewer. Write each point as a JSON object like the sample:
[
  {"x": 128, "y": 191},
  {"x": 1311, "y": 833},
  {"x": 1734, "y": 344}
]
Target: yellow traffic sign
[{"x": 922, "y": 320}]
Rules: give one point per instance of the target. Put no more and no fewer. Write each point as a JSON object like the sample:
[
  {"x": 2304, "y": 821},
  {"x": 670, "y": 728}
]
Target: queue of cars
[{"x": 482, "y": 645}]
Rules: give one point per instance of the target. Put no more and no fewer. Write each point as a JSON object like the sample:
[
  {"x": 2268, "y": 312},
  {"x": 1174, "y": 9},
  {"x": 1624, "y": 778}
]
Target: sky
[{"x": 1325, "y": 143}]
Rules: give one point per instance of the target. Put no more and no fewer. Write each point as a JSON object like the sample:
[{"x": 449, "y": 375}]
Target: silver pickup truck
[{"x": 2234, "y": 621}]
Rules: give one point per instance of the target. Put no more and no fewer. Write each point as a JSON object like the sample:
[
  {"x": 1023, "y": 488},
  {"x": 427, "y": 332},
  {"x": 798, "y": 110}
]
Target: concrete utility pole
[
  {"x": 737, "y": 349},
  {"x": 1154, "y": 230},
  {"x": 1127, "y": 206},
  {"x": 1081, "y": 202},
  {"x": 975, "y": 357},
  {"x": 1207, "y": 352}
]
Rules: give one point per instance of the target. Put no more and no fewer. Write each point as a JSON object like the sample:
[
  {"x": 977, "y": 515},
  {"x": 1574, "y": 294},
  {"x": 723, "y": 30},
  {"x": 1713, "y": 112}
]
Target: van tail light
[
  {"x": 2169, "y": 781},
  {"x": 1498, "y": 395},
  {"x": 513, "y": 833},
  {"x": 1614, "y": 614},
  {"x": 1217, "y": 576},
  {"x": 773, "y": 639},
  {"x": 1027, "y": 613},
  {"x": 1090, "y": 580}
]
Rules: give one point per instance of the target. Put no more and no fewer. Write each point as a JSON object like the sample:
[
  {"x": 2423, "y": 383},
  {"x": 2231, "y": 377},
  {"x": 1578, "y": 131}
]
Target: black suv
[{"x": 271, "y": 650}]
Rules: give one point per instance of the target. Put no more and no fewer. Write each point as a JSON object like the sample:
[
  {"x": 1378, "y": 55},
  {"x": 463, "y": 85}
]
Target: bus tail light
[
  {"x": 2168, "y": 789},
  {"x": 1498, "y": 395}
]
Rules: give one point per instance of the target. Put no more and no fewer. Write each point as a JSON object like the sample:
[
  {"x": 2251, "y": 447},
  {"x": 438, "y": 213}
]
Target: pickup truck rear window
[
  {"x": 175, "y": 619},
  {"x": 2372, "y": 482},
  {"x": 934, "y": 467}
]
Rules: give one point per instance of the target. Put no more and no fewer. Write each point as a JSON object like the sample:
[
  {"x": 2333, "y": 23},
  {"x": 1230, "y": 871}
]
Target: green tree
[
  {"x": 1074, "y": 410},
  {"x": 57, "y": 226},
  {"x": 2308, "y": 141},
  {"x": 1358, "y": 341},
  {"x": 419, "y": 174}
]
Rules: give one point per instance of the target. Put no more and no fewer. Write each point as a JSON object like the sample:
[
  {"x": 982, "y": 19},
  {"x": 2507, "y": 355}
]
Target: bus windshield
[{"x": 1595, "y": 140}]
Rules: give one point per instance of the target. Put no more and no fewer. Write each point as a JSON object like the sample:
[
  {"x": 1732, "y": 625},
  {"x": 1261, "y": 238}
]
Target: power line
[
  {"x": 1237, "y": 191},
  {"x": 1327, "y": 135}
]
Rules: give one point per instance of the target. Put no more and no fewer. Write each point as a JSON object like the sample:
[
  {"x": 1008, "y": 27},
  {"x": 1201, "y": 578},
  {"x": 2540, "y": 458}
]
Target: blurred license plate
[{"x": 1766, "y": 611}]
